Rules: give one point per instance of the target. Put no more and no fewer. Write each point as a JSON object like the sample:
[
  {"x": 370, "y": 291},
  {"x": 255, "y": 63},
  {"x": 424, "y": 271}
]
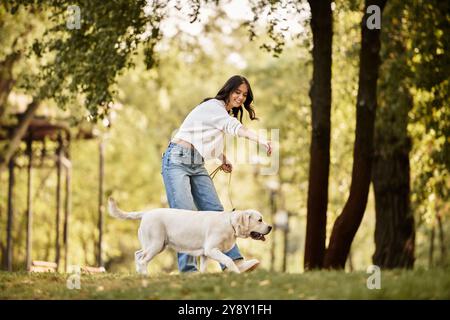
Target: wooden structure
[
  {"x": 40, "y": 131},
  {"x": 92, "y": 270},
  {"x": 43, "y": 266}
]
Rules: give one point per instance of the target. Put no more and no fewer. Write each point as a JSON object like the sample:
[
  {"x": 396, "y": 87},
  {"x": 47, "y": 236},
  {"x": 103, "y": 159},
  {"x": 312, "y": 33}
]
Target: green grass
[{"x": 395, "y": 284}]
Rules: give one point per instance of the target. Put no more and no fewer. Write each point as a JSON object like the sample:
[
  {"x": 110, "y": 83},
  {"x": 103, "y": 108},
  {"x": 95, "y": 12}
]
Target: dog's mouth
[{"x": 257, "y": 236}]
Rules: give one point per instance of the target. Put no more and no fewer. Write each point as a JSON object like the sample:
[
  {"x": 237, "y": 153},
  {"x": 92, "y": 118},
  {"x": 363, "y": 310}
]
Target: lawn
[{"x": 395, "y": 284}]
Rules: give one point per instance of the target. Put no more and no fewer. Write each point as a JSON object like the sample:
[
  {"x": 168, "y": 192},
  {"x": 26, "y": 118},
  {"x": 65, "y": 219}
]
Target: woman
[{"x": 200, "y": 137}]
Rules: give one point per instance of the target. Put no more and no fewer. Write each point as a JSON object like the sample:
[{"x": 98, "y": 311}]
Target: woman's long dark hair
[{"x": 230, "y": 86}]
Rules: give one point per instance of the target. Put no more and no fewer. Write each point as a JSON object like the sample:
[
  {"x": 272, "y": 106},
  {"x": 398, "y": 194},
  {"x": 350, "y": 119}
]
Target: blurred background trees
[{"x": 81, "y": 76}]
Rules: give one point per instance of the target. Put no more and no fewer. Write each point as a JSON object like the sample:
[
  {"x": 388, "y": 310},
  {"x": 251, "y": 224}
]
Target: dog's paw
[{"x": 141, "y": 269}]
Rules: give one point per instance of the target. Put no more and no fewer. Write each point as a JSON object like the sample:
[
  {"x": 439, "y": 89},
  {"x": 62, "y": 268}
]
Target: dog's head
[{"x": 249, "y": 223}]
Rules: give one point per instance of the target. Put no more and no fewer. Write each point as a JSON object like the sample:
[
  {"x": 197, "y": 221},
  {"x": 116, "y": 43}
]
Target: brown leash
[{"x": 213, "y": 174}]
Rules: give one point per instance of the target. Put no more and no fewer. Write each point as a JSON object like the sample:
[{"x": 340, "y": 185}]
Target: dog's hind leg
[
  {"x": 143, "y": 257},
  {"x": 140, "y": 267}
]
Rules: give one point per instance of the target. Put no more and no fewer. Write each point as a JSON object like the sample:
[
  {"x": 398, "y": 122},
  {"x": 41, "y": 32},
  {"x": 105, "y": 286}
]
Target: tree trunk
[
  {"x": 6, "y": 79},
  {"x": 320, "y": 94},
  {"x": 441, "y": 238},
  {"x": 29, "y": 243},
  {"x": 67, "y": 207},
  {"x": 18, "y": 134},
  {"x": 348, "y": 222},
  {"x": 59, "y": 167},
  {"x": 10, "y": 221},
  {"x": 394, "y": 229},
  {"x": 101, "y": 207},
  {"x": 2, "y": 245},
  {"x": 431, "y": 252}
]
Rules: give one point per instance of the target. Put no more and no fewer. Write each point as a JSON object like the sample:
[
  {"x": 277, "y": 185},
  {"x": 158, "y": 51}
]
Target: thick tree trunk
[
  {"x": 18, "y": 134},
  {"x": 348, "y": 222},
  {"x": 320, "y": 94},
  {"x": 394, "y": 229}
]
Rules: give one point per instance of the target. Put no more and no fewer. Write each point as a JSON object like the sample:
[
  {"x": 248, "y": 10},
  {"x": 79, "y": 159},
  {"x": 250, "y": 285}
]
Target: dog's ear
[
  {"x": 238, "y": 222},
  {"x": 245, "y": 222},
  {"x": 248, "y": 215}
]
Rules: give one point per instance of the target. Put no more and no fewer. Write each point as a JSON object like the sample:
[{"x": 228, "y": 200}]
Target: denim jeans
[{"x": 189, "y": 186}]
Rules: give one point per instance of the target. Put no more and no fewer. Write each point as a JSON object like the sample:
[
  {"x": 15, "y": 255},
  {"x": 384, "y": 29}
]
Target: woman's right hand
[
  {"x": 268, "y": 146},
  {"x": 249, "y": 134}
]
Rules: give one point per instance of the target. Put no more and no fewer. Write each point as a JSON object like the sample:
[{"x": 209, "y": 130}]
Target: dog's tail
[{"x": 117, "y": 213}]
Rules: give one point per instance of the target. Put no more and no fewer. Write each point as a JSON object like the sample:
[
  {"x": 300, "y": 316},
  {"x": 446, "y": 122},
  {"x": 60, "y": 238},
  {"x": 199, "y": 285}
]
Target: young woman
[{"x": 200, "y": 137}]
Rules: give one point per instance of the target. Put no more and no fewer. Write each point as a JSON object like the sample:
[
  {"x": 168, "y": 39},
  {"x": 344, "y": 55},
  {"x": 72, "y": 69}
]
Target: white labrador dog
[{"x": 207, "y": 234}]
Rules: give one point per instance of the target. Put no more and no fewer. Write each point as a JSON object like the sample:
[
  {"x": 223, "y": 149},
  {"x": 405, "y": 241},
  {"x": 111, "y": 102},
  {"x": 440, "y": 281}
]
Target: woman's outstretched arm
[{"x": 251, "y": 135}]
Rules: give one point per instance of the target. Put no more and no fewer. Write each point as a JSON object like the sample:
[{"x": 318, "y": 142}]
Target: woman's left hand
[{"x": 227, "y": 167}]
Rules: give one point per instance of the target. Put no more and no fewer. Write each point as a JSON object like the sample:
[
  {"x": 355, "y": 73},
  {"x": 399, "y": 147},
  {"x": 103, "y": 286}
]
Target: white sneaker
[{"x": 246, "y": 265}]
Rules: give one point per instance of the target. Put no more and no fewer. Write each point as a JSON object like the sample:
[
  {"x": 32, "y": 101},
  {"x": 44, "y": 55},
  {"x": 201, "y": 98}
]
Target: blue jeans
[{"x": 189, "y": 186}]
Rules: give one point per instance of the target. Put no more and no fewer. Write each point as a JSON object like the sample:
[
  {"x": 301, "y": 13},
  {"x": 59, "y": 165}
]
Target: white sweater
[{"x": 205, "y": 127}]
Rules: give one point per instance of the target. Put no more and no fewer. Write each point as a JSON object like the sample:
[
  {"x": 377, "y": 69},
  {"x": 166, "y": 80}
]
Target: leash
[{"x": 213, "y": 174}]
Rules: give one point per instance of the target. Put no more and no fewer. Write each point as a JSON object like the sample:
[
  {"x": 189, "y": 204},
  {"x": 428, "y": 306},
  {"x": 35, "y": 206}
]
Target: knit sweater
[{"x": 205, "y": 127}]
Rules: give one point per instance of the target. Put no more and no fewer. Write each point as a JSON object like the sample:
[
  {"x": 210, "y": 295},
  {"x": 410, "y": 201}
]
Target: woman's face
[{"x": 238, "y": 96}]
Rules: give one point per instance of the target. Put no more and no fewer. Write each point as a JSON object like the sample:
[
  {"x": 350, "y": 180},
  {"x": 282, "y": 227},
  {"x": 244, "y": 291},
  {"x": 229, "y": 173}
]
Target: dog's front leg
[
  {"x": 217, "y": 255},
  {"x": 202, "y": 263}
]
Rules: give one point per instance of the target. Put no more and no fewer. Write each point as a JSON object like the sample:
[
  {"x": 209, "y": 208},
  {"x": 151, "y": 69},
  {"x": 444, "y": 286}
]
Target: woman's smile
[{"x": 238, "y": 97}]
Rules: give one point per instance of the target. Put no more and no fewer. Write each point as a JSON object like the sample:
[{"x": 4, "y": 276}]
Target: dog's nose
[{"x": 270, "y": 228}]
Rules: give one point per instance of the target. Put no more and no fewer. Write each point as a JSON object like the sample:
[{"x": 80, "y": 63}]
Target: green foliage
[
  {"x": 429, "y": 61},
  {"x": 280, "y": 16},
  {"x": 87, "y": 60}
]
